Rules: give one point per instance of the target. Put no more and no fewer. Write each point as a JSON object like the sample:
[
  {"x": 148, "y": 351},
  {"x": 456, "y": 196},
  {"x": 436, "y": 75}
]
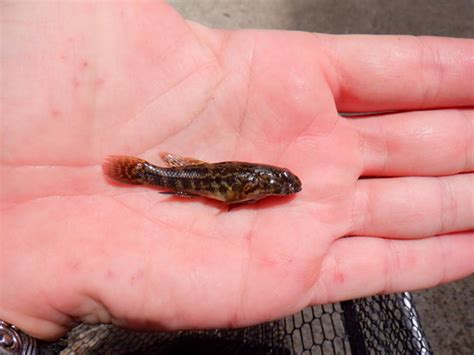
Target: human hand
[{"x": 84, "y": 80}]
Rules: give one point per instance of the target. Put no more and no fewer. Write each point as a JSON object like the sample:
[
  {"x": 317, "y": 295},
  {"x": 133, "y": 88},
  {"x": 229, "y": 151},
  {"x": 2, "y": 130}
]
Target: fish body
[{"x": 230, "y": 182}]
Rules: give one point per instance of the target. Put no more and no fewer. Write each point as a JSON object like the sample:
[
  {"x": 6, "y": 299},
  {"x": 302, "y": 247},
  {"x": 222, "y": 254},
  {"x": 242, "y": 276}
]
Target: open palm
[{"x": 138, "y": 80}]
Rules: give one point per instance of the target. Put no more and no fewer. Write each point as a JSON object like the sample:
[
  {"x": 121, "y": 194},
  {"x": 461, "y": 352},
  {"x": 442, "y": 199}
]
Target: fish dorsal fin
[{"x": 175, "y": 161}]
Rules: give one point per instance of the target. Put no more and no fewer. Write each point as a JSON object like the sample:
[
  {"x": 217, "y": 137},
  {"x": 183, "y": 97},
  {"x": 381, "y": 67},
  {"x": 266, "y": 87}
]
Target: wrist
[{"x": 30, "y": 298}]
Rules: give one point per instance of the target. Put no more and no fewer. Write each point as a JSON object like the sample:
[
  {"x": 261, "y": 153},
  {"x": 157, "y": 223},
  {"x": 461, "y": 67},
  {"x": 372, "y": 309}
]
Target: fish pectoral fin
[
  {"x": 231, "y": 206},
  {"x": 175, "y": 161},
  {"x": 179, "y": 193}
]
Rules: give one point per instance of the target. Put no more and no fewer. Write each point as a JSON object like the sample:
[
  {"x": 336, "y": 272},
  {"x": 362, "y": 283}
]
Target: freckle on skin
[
  {"x": 74, "y": 266},
  {"x": 84, "y": 64},
  {"x": 99, "y": 82},
  {"x": 136, "y": 276},
  {"x": 76, "y": 83},
  {"x": 55, "y": 112},
  {"x": 109, "y": 275},
  {"x": 339, "y": 278}
]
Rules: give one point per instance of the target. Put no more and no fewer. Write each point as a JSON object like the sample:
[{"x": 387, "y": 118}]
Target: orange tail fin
[{"x": 124, "y": 168}]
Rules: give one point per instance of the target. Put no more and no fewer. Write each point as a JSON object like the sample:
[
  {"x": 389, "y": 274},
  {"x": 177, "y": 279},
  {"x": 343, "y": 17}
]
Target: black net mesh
[
  {"x": 317, "y": 330},
  {"x": 374, "y": 325},
  {"x": 385, "y": 324}
]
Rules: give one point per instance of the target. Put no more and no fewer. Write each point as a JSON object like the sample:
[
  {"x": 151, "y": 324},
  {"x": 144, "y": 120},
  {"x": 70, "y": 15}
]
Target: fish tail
[{"x": 125, "y": 169}]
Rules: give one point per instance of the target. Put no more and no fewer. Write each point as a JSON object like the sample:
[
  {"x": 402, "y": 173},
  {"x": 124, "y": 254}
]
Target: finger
[
  {"x": 417, "y": 143},
  {"x": 361, "y": 266},
  {"x": 414, "y": 206},
  {"x": 375, "y": 73}
]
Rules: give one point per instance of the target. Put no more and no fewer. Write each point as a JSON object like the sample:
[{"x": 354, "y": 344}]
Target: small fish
[{"x": 231, "y": 182}]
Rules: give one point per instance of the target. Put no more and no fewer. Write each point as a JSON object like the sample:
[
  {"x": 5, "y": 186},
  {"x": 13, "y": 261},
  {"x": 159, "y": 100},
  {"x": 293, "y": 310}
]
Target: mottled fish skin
[{"x": 231, "y": 182}]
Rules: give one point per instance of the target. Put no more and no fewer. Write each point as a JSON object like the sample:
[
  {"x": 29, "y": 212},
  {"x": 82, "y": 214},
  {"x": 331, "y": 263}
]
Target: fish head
[{"x": 278, "y": 181}]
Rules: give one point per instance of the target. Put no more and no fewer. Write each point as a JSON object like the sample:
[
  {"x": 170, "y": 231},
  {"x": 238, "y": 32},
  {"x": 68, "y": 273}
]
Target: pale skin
[{"x": 84, "y": 80}]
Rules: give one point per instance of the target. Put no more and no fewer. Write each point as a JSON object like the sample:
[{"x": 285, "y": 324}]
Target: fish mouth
[{"x": 295, "y": 187}]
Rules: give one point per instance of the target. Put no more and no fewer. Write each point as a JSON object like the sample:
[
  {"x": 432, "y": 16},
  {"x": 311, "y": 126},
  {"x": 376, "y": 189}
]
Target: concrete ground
[
  {"x": 447, "y": 311},
  {"x": 416, "y": 17}
]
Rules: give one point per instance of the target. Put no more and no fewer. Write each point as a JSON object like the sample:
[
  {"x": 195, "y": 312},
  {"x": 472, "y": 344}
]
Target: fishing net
[{"x": 373, "y": 325}]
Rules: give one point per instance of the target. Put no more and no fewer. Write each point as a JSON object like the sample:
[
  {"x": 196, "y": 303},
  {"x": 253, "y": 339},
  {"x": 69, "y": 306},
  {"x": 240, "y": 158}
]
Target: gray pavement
[
  {"x": 415, "y": 17},
  {"x": 446, "y": 311}
]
